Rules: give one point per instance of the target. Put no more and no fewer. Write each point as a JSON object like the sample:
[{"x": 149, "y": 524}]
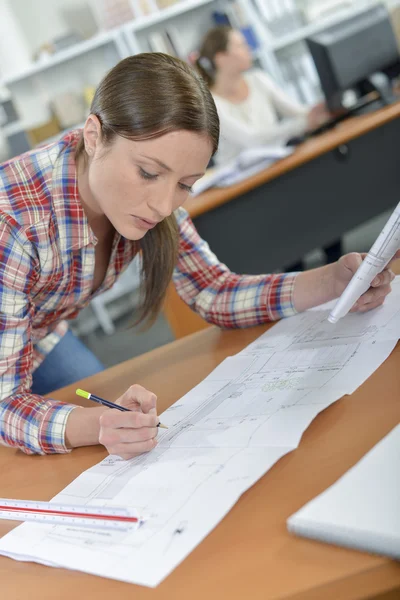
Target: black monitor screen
[{"x": 349, "y": 52}]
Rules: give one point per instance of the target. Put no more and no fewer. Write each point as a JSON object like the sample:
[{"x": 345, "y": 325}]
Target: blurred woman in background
[{"x": 252, "y": 109}]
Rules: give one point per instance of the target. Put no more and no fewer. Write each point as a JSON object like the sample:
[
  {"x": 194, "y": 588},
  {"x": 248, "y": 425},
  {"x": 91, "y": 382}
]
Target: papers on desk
[
  {"x": 248, "y": 163},
  {"x": 362, "y": 509},
  {"x": 222, "y": 437}
]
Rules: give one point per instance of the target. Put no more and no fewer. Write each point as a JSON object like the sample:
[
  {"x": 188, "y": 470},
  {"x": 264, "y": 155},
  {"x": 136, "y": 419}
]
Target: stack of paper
[
  {"x": 248, "y": 163},
  {"x": 362, "y": 509}
]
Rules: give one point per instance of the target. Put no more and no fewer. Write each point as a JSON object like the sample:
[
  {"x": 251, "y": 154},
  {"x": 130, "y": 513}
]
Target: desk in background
[
  {"x": 250, "y": 554},
  {"x": 330, "y": 185}
]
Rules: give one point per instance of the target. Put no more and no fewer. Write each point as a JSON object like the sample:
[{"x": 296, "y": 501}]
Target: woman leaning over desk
[{"x": 74, "y": 214}]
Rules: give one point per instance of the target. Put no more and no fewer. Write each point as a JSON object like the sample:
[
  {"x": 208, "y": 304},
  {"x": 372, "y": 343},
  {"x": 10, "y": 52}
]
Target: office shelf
[
  {"x": 104, "y": 38},
  {"x": 171, "y": 12},
  {"x": 303, "y": 32},
  {"x": 97, "y": 41}
]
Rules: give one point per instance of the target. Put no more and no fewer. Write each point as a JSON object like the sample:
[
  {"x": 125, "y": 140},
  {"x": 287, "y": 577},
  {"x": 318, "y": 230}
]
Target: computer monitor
[{"x": 348, "y": 56}]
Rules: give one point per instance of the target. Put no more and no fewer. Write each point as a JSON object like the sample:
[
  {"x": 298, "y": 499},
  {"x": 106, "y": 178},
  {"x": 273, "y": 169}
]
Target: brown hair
[
  {"x": 146, "y": 96},
  {"x": 216, "y": 40}
]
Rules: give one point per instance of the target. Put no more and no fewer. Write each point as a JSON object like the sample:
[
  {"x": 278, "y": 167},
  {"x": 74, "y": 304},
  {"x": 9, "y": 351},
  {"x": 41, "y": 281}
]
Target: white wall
[
  {"x": 14, "y": 51},
  {"x": 43, "y": 20}
]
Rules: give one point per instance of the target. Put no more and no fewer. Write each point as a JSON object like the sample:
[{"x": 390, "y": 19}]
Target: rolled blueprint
[{"x": 386, "y": 245}]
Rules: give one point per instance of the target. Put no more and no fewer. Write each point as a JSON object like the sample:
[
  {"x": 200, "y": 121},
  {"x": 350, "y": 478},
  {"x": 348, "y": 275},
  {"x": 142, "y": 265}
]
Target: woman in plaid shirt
[{"x": 75, "y": 213}]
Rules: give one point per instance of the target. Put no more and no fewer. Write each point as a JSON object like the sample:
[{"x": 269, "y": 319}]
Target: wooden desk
[
  {"x": 330, "y": 184},
  {"x": 250, "y": 554}
]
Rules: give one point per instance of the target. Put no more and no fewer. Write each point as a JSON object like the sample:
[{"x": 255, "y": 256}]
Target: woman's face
[
  {"x": 237, "y": 56},
  {"x": 138, "y": 184}
]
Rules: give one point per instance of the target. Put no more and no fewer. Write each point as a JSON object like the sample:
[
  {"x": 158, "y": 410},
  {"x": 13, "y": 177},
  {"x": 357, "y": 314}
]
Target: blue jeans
[{"x": 69, "y": 361}]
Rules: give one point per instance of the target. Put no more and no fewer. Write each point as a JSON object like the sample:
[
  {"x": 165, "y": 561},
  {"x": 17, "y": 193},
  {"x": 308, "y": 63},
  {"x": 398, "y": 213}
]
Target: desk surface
[
  {"x": 250, "y": 554},
  {"x": 348, "y": 130}
]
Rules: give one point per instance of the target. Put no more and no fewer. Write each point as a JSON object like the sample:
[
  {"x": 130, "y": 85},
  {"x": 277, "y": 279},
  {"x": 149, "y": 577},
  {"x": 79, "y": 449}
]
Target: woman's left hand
[{"x": 344, "y": 270}]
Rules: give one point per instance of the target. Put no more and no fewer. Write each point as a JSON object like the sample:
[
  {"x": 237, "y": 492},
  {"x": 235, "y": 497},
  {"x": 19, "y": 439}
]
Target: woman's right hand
[
  {"x": 318, "y": 115},
  {"x": 128, "y": 434}
]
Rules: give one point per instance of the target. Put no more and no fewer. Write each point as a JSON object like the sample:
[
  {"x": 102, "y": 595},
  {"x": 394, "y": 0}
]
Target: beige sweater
[{"x": 256, "y": 120}]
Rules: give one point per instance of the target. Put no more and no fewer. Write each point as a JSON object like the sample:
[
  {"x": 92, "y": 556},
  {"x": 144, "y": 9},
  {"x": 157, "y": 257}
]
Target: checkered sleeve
[
  {"x": 222, "y": 297},
  {"x": 34, "y": 424}
]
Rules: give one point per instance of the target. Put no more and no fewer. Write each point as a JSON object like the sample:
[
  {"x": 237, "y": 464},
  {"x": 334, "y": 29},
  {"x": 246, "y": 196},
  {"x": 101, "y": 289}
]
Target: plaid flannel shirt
[{"x": 47, "y": 256}]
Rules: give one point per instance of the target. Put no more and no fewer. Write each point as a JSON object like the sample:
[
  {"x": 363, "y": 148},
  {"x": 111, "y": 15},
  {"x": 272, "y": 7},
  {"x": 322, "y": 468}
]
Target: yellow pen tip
[{"x": 82, "y": 393}]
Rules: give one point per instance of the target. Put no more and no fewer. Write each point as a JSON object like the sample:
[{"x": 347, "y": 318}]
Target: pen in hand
[{"x": 107, "y": 403}]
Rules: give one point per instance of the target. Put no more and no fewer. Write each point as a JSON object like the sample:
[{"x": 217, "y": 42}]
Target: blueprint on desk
[{"x": 223, "y": 436}]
